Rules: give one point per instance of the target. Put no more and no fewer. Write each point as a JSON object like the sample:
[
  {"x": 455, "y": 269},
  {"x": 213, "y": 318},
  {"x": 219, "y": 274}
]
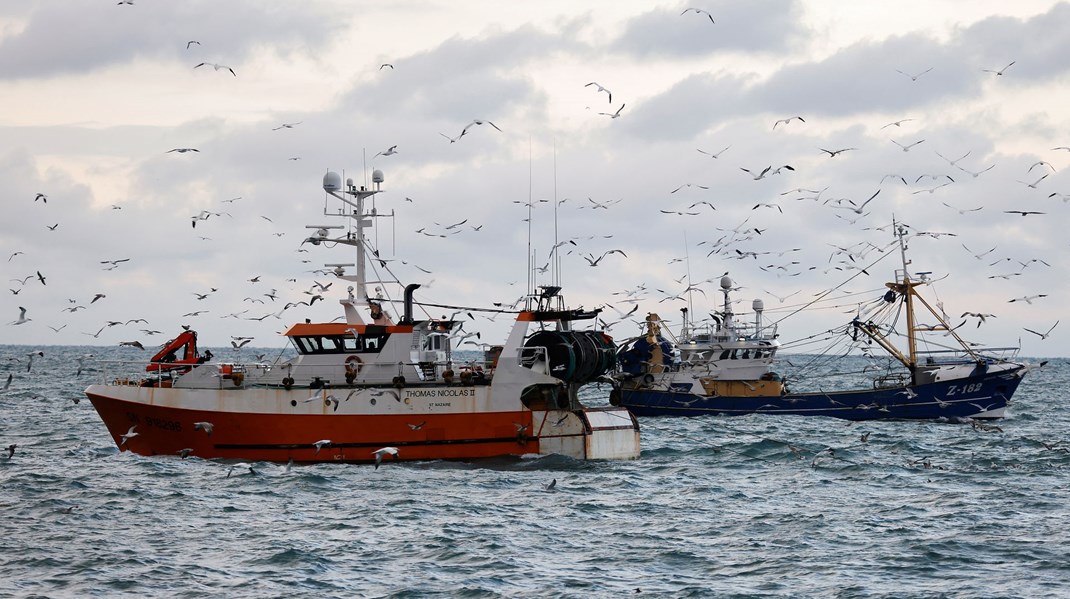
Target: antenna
[
  {"x": 557, "y": 257},
  {"x": 531, "y": 263}
]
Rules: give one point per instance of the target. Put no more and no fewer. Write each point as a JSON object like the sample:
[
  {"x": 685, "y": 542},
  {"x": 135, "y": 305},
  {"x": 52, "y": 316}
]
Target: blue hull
[{"x": 980, "y": 396}]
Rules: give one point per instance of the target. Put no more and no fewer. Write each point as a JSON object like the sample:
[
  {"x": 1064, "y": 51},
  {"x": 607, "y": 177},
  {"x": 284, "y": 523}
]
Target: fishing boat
[
  {"x": 726, "y": 366},
  {"x": 368, "y": 386}
]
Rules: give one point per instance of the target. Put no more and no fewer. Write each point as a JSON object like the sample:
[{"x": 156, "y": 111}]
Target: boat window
[
  {"x": 340, "y": 344},
  {"x": 746, "y": 355},
  {"x": 726, "y": 354}
]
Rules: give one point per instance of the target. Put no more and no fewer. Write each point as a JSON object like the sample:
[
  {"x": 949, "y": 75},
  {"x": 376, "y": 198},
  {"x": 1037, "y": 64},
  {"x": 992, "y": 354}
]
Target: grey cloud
[
  {"x": 762, "y": 25},
  {"x": 58, "y": 40}
]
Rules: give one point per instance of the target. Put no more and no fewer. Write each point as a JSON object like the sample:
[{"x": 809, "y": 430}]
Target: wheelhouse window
[{"x": 339, "y": 344}]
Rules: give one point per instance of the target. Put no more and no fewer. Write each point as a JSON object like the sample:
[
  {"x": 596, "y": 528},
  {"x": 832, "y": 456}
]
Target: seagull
[
  {"x": 788, "y": 120},
  {"x": 898, "y": 123},
  {"x": 22, "y": 317},
  {"x": 1028, "y": 299},
  {"x": 31, "y": 356},
  {"x": 41, "y": 197},
  {"x": 999, "y": 72},
  {"x": 321, "y": 444},
  {"x": 858, "y": 210},
  {"x": 184, "y": 453},
  {"x": 906, "y": 148},
  {"x": 760, "y": 175},
  {"x": 1041, "y": 163},
  {"x": 11, "y": 450},
  {"x": 478, "y": 122},
  {"x": 1034, "y": 184},
  {"x": 283, "y": 126},
  {"x": 217, "y": 67},
  {"x": 914, "y": 77},
  {"x": 975, "y": 174},
  {"x": 240, "y": 465},
  {"x": 1022, "y": 212},
  {"x": 982, "y": 254},
  {"x": 384, "y": 65},
  {"x": 717, "y": 155},
  {"x": 388, "y": 152},
  {"x": 615, "y": 114},
  {"x": 130, "y": 434},
  {"x": 136, "y": 344},
  {"x": 699, "y": 11},
  {"x": 207, "y": 427},
  {"x": 550, "y": 485},
  {"x": 379, "y": 453},
  {"x": 1044, "y": 335},
  {"x": 452, "y": 139},
  {"x": 594, "y": 261},
  {"x": 191, "y": 42},
  {"x": 41, "y": 277},
  {"x": 182, "y": 150},
  {"x": 601, "y": 89},
  {"x": 833, "y": 153}
]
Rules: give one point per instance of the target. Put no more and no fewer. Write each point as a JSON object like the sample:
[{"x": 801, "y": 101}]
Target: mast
[
  {"x": 907, "y": 289},
  {"x": 354, "y": 197}
]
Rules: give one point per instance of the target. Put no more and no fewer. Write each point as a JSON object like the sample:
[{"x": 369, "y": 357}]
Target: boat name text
[
  {"x": 963, "y": 389},
  {"x": 440, "y": 393}
]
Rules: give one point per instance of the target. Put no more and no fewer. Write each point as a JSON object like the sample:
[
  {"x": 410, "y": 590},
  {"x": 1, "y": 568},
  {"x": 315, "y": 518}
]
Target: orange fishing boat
[{"x": 369, "y": 383}]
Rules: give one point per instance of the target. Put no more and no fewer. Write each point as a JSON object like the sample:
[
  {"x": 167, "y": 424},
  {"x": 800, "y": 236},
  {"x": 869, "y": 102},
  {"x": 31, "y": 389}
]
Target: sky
[{"x": 96, "y": 94}]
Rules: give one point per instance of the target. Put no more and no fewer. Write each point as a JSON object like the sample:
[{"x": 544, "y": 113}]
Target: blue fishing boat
[{"x": 725, "y": 366}]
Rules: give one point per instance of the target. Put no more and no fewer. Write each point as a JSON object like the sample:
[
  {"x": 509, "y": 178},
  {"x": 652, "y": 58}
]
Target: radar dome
[
  {"x": 726, "y": 283},
  {"x": 757, "y": 305},
  {"x": 332, "y": 181},
  {"x": 377, "y": 176}
]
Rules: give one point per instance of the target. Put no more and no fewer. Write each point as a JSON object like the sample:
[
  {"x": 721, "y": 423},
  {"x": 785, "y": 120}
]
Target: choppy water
[{"x": 725, "y": 507}]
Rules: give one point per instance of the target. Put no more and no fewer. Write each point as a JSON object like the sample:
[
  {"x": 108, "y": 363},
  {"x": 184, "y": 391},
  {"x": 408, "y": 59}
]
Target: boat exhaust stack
[
  {"x": 758, "y": 306},
  {"x": 409, "y": 289}
]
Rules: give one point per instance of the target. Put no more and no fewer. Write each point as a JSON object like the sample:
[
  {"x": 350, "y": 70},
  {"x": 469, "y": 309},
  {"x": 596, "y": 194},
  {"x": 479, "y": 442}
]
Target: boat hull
[
  {"x": 165, "y": 427},
  {"x": 980, "y": 396}
]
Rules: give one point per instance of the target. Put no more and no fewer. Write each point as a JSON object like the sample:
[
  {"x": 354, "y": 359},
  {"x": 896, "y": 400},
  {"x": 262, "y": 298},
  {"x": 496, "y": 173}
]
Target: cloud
[
  {"x": 761, "y": 26},
  {"x": 58, "y": 39}
]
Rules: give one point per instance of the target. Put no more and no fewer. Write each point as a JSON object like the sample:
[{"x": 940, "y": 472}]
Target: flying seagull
[
  {"x": 130, "y": 434},
  {"x": 699, "y": 11},
  {"x": 379, "y": 453},
  {"x": 999, "y": 72},
  {"x": 217, "y": 67},
  {"x": 898, "y": 123},
  {"x": 906, "y": 148},
  {"x": 388, "y": 152},
  {"x": 477, "y": 122},
  {"x": 615, "y": 114},
  {"x": 788, "y": 120},
  {"x": 191, "y": 42},
  {"x": 914, "y": 77},
  {"x": 601, "y": 89},
  {"x": 182, "y": 150},
  {"x": 1044, "y": 335},
  {"x": 717, "y": 155},
  {"x": 22, "y": 317},
  {"x": 287, "y": 126},
  {"x": 833, "y": 153}
]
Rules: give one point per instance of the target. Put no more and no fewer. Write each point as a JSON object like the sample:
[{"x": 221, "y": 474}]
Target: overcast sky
[{"x": 95, "y": 94}]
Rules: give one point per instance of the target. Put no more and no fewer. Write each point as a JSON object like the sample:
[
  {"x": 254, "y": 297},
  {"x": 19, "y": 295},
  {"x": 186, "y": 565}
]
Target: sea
[{"x": 746, "y": 506}]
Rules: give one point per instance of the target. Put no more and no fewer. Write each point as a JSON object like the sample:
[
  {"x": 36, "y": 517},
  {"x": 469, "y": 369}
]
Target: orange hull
[{"x": 278, "y": 438}]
